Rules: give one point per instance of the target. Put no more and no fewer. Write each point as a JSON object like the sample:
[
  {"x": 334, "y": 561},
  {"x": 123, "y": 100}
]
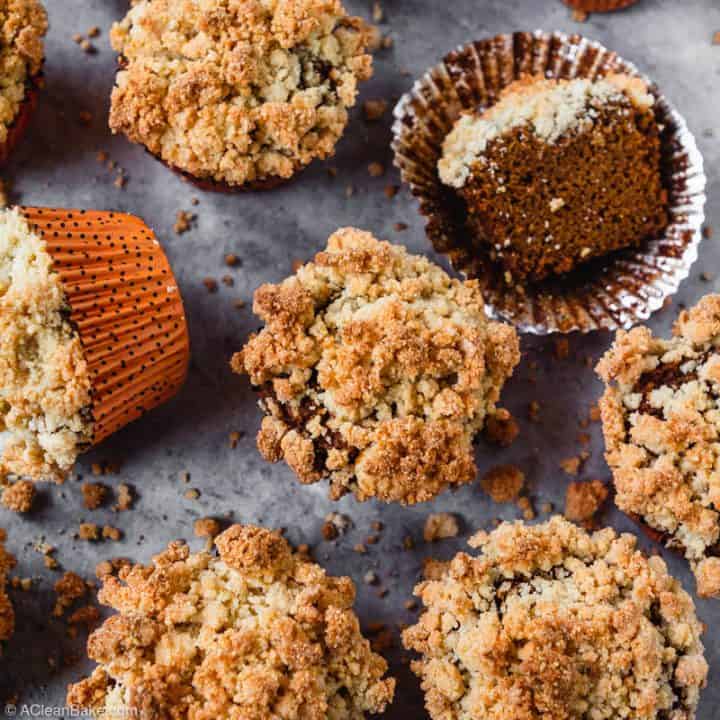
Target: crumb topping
[
  {"x": 238, "y": 91},
  {"x": 550, "y": 622},
  {"x": 376, "y": 370},
  {"x": 7, "y": 615},
  {"x": 661, "y": 420},
  {"x": 258, "y": 632},
  {"x": 23, "y": 24},
  {"x": 549, "y": 108},
  {"x": 45, "y": 404}
]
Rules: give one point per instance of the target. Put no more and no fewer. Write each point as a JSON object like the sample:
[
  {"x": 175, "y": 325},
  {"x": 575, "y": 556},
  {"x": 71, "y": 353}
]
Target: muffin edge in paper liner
[
  {"x": 610, "y": 292},
  {"x": 125, "y": 305},
  {"x": 599, "y": 5}
]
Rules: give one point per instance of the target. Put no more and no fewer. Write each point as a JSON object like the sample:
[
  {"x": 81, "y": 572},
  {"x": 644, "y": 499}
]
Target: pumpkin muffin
[
  {"x": 7, "y": 616},
  {"x": 552, "y": 623},
  {"x": 23, "y": 24},
  {"x": 661, "y": 421},
  {"x": 237, "y": 94},
  {"x": 558, "y": 172},
  {"x": 376, "y": 370},
  {"x": 92, "y": 334},
  {"x": 258, "y": 632}
]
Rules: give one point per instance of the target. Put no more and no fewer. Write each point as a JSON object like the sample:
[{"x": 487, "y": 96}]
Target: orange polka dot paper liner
[{"x": 126, "y": 306}]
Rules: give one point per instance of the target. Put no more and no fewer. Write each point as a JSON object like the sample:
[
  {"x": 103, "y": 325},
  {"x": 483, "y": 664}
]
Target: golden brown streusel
[
  {"x": 552, "y": 623},
  {"x": 584, "y": 499},
  {"x": 19, "y": 496},
  {"x": 661, "y": 421},
  {"x": 258, "y": 632},
  {"x": 7, "y": 615},
  {"x": 241, "y": 91},
  {"x": 375, "y": 369},
  {"x": 23, "y": 24},
  {"x": 439, "y": 526},
  {"x": 45, "y": 403}
]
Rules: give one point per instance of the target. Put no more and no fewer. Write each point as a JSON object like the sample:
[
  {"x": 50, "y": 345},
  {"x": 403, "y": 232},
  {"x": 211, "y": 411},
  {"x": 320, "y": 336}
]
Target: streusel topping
[
  {"x": 661, "y": 419},
  {"x": 23, "y": 24},
  {"x": 238, "y": 90},
  {"x": 552, "y": 623},
  {"x": 376, "y": 369},
  {"x": 45, "y": 403},
  {"x": 258, "y": 632},
  {"x": 549, "y": 108},
  {"x": 7, "y": 615}
]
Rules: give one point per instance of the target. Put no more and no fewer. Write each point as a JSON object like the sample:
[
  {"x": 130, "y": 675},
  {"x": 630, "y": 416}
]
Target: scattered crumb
[
  {"x": 503, "y": 483},
  {"x": 360, "y": 548},
  {"x": 77, "y": 38},
  {"x": 706, "y": 276},
  {"x": 234, "y": 439},
  {"x": 501, "y": 428},
  {"x": 440, "y": 526},
  {"x": 232, "y": 260},
  {"x": 206, "y": 527},
  {"x": 562, "y": 349},
  {"x": 87, "y": 615},
  {"x": 19, "y": 496},
  {"x": 94, "y": 495},
  {"x": 594, "y": 414},
  {"x": 584, "y": 499},
  {"x": 707, "y": 232},
  {"x": 374, "y": 109},
  {"x": 210, "y": 284},
  {"x": 89, "y": 531},
  {"x": 192, "y": 494},
  {"x": 111, "y": 567},
  {"x": 400, "y": 227},
  {"x": 239, "y": 304},
  {"x": 716, "y": 38},
  {"x": 85, "y": 118},
  {"x": 391, "y": 191},
  {"x": 228, "y": 280},
  {"x": 534, "y": 411},
  {"x": 526, "y": 508},
  {"x": 546, "y": 508},
  {"x": 183, "y": 222},
  {"x": 580, "y": 16},
  {"x": 93, "y": 32},
  {"x": 371, "y": 578},
  {"x": 410, "y": 604},
  {"x": 377, "y": 12},
  {"x": 111, "y": 533},
  {"x": 408, "y": 543},
  {"x": 376, "y": 169},
  {"x": 125, "y": 497},
  {"x": 571, "y": 465},
  {"x": 87, "y": 46},
  {"x": 69, "y": 588},
  {"x": 120, "y": 181}
]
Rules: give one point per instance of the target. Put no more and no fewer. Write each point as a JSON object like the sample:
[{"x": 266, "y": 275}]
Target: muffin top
[
  {"x": 549, "y": 108},
  {"x": 661, "y": 419},
  {"x": 257, "y": 632},
  {"x": 23, "y": 24},
  {"x": 237, "y": 91},
  {"x": 45, "y": 400},
  {"x": 7, "y": 616},
  {"x": 551, "y": 622},
  {"x": 376, "y": 369}
]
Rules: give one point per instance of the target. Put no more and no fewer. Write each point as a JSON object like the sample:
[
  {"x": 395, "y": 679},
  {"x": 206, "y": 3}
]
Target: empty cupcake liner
[
  {"x": 615, "y": 291},
  {"x": 599, "y": 5},
  {"x": 126, "y": 306}
]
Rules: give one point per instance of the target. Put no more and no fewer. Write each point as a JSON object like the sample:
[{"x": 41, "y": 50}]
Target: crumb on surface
[
  {"x": 19, "y": 496},
  {"x": 503, "y": 483},
  {"x": 501, "y": 428},
  {"x": 206, "y": 527},
  {"x": 440, "y": 526},
  {"x": 94, "y": 495},
  {"x": 584, "y": 499}
]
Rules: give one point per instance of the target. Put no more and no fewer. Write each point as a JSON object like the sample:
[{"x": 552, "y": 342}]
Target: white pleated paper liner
[{"x": 615, "y": 291}]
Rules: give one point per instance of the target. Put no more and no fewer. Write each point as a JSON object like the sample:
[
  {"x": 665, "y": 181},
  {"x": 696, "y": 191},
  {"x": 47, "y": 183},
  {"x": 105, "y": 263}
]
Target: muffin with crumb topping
[
  {"x": 559, "y": 172},
  {"x": 376, "y": 370},
  {"x": 661, "y": 420},
  {"x": 237, "y": 95},
  {"x": 7, "y": 615},
  {"x": 23, "y": 24},
  {"x": 549, "y": 622},
  {"x": 256, "y": 632}
]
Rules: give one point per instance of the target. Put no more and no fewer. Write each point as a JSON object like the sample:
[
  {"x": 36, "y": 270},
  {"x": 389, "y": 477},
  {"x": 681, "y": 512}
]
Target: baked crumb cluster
[
  {"x": 551, "y": 622},
  {"x": 23, "y": 24},
  {"x": 7, "y": 615},
  {"x": 238, "y": 91},
  {"x": 661, "y": 419},
  {"x": 376, "y": 370},
  {"x": 45, "y": 403},
  {"x": 258, "y": 632}
]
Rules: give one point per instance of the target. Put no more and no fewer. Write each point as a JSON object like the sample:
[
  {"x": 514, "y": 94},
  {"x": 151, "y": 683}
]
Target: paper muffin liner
[
  {"x": 611, "y": 292},
  {"x": 16, "y": 131},
  {"x": 126, "y": 307},
  {"x": 599, "y": 5}
]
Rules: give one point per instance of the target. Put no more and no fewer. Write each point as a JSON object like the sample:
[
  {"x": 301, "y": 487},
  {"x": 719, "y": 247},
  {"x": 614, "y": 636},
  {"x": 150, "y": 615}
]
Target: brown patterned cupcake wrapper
[
  {"x": 599, "y": 5},
  {"x": 611, "y": 292},
  {"x": 126, "y": 306}
]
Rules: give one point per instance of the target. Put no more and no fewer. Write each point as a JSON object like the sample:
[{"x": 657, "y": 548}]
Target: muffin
[
  {"x": 599, "y": 5},
  {"x": 258, "y": 632},
  {"x": 375, "y": 370},
  {"x": 23, "y": 24},
  {"x": 661, "y": 423},
  {"x": 92, "y": 334},
  {"x": 551, "y": 622},
  {"x": 237, "y": 95},
  {"x": 558, "y": 172},
  {"x": 7, "y": 616}
]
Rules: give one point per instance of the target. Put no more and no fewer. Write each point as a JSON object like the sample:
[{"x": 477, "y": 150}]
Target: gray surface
[{"x": 669, "y": 39}]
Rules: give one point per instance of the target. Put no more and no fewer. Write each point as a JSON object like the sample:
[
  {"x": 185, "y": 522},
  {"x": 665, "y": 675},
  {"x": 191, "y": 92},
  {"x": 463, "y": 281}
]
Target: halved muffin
[
  {"x": 551, "y": 623},
  {"x": 92, "y": 333},
  {"x": 258, "y": 632},
  {"x": 558, "y": 172},
  {"x": 376, "y": 370},
  {"x": 237, "y": 95},
  {"x": 661, "y": 420}
]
